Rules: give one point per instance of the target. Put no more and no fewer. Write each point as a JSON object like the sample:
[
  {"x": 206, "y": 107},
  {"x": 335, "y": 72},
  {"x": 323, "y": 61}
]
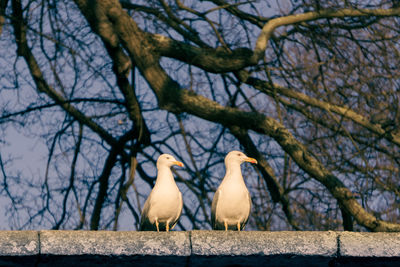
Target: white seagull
[
  {"x": 231, "y": 205},
  {"x": 163, "y": 207}
]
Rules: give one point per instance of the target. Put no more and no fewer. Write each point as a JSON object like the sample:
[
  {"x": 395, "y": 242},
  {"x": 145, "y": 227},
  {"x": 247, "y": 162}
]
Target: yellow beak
[
  {"x": 180, "y": 164},
  {"x": 251, "y": 160}
]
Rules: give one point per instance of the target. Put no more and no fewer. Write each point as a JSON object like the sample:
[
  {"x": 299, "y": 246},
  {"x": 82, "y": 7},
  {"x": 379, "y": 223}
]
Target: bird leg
[
  {"x": 167, "y": 226},
  {"x": 238, "y": 226},
  {"x": 172, "y": 227},
  {"x": 226, "y": 225},
  {"x": 158, "y": 229}
]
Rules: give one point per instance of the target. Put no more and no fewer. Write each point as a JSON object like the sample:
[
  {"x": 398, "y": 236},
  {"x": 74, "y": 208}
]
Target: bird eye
[
  {"x": 239, "y": 154},
  {"x": 167, "y": 157}
]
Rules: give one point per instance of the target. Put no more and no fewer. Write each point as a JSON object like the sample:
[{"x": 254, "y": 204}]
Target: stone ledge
[
  {"x": 114, "y": 243},
  {"x": 369, "y": 244},
  {"x": 198, "y": 248},
  {"x": 19, "y": 248},
  {"x": 209, "y": 248},
  {"x": 101, "y": 248}
]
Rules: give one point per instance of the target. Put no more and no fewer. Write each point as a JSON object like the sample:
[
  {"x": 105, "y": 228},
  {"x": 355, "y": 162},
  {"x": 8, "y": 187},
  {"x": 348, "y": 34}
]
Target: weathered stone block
[
  {"x": 19, "y": 248},
  {"x": 369, "y": 249},
  {"x": 220, "y": 248},
  {"x": 97, "y": 248},
  {"x": 369, "y": 244}
]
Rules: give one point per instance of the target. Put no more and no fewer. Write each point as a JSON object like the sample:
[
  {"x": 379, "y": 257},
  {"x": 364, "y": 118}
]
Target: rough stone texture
[
  {"x": 19, "y": 243},
  {"x": 114, "y": 243},
  {"x": 19, "y": 248},
  {"x": 369, "y": 244},
  {"x": 233, "y": 243},
  {"x": 198, "y": 248},
  {"x": 369, "y": 249},
  {"x": 262, "y": 248},
  {"x": 110, "y": 248}
]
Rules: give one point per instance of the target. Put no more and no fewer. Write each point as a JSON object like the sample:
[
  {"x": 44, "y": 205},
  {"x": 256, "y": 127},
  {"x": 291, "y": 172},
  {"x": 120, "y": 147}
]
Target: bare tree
[{"x": 309, "y": 89}]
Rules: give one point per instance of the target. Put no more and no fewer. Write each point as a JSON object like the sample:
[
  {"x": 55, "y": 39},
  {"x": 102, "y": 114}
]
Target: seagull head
[
  {"x": 167, "y": 160},
  {"x": 238, "y": 157}
]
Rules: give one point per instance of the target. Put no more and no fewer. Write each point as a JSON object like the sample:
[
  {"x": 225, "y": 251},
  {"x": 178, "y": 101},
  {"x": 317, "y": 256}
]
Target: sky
[{"x": 28, "y": 157}]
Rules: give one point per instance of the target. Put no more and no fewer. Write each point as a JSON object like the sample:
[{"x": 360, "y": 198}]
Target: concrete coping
[{"x": 198, "y": 248}]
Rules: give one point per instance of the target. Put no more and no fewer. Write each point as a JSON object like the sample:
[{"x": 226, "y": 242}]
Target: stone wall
[{"x": 198, "y": 248}]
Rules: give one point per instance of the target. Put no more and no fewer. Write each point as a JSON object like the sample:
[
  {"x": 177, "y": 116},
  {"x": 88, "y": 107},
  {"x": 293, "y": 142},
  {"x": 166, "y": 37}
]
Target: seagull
[
  {"x": 163, "y": 207},
  {"x": 231, "y": 205}
]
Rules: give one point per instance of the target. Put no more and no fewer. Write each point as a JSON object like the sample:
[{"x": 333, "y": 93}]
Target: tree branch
[
  {"x": 104, "y": 177},
  {"x": 270, "y": 26},
  {"x": 3, "y": 6},
  {"x": 343, "y": 111},
  {"x": 37, "y": 75}
]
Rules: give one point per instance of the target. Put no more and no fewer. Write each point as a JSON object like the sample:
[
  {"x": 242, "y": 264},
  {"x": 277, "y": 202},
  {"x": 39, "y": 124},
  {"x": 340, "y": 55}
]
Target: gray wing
[
  {"x": 248, "y": 215},
  {"x": 214, "y": 209},
  {"x": 180, "y": 210},
  {"x": 145, "y": 224}
]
